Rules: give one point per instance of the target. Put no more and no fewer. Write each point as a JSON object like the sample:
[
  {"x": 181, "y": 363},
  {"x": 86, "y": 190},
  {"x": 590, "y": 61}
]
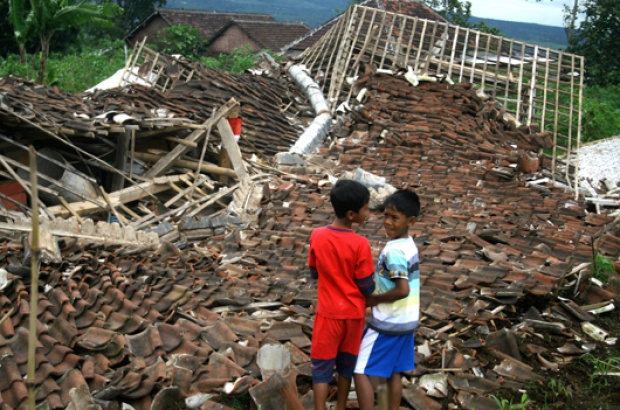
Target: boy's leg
[
  {"x": 321, "y": 390},
  {"x": 323, "y": 350},
  {"x": 395, "y": 391},
  {"x": 365, "y": 392},
  {"x": 344, "y": 385}
]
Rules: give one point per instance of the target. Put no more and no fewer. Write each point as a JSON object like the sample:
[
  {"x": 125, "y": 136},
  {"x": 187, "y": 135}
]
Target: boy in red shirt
[{"x": 341, "y": 260}]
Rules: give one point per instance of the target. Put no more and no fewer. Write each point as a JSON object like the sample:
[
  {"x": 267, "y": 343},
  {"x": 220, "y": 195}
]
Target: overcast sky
[{"x": 545, "y": 12}]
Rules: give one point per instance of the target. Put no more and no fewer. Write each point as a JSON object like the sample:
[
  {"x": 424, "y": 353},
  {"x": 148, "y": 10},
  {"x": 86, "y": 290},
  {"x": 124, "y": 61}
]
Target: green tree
[
  {"x": 180, "y": 39},
  {"x": 7, "y": 35},
  {"x": 571, "y": 14},
  {"x": 134, "y": 11},
  {"x": 598, "y": 41},
  {"x": 235, "y": 62},
  {"x": 455, "y": 11},
  {"x": 47, "y": 17}
]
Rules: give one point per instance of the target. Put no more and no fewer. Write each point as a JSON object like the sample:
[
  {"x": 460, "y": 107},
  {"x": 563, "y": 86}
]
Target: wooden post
[
  {"x": 34, "y": 284},
  {"x": 122, "y": 147},
  {"x": 224, "y": 159}
]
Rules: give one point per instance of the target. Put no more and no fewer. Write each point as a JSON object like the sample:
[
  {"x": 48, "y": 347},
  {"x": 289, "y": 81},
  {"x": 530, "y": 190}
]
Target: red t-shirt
[{"x": 340, "y": 256}]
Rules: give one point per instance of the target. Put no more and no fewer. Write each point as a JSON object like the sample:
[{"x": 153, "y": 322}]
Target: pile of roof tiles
[
  {"x": 264, "y": 101},
  {"x": 496, "y": 247}
]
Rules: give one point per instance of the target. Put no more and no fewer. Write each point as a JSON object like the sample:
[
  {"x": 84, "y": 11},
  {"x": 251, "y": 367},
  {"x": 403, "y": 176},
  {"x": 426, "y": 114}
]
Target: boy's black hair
[
  {"x": 348, "y": 195},
  {"x": 404, "y": 201}
]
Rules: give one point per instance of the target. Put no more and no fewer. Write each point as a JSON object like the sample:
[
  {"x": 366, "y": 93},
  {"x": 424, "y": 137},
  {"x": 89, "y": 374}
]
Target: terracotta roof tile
[
  {"x": 489, "y": 245},
  {"x": 145, "y": 344},
  {"x": 271, "y": 35},
  {"x": 207, "y": 22}
]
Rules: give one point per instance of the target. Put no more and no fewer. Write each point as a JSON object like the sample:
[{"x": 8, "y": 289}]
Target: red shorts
[{"x": 335, "y": 343}]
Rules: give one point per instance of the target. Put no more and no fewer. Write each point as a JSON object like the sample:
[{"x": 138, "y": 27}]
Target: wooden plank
[
  {"x": 180, "y": 193},
  {"x": 166, "y": 162},
  {"x": 122, "y": 146},
  {"x": 183, "y": 142},
  {"x": 11, "y": 227},
  {"x": 121, "y": 219},
  {"x": 123, "y": 196},
  {"x": 224, "y": 162},
  {"x": 200, "y": 180},
  {"x": 64, "y": 203},
  {"x": 194, "y": 185},
  {"x": 232, "y": 148},
  {"x": 197, "y": 175},
  {"x": 128, "y": 211},
  {"x": 208, "y": 168}
]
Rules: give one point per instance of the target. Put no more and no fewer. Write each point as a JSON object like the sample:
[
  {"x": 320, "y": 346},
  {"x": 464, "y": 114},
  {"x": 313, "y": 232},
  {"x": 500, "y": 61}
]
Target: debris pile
[{"x": 505, "y": 253}]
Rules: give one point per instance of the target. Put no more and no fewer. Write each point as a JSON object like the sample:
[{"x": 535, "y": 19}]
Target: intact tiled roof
[
  {"x": 271, "y": 35},
  {"x": 207, "y": 22}
]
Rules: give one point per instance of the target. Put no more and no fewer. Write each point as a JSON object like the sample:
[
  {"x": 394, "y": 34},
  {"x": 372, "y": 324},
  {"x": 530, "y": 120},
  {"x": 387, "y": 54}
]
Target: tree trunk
[
  {"x": 570, "y": 21},
  {"x": 23, "y": 56},
  {"x": 45, "y": 50}
]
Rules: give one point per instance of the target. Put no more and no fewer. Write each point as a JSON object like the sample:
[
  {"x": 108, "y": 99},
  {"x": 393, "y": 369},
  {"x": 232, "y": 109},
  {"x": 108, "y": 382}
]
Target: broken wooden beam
[
  {"x": 232, "y": 148},
  {"x": 167, "y": 161},
  {"x": 123, "y": 196},
  {"x": 101, "y": 233},
  {"x": 210, "y": 169}
]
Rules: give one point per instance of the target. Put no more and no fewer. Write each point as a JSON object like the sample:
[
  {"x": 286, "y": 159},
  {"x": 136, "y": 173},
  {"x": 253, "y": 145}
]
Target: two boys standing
[{"x": 348, "y": 282}]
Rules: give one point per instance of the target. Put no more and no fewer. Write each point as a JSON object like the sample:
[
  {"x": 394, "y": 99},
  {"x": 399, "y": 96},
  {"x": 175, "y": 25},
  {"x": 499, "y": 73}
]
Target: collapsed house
[{"x": 178, "y": 257}]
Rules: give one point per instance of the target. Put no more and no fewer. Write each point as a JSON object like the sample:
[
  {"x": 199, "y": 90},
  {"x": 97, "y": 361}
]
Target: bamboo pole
[
  {"x": 208, "y": 168},
  {"x": 202, "y": 156},
  {"x": 34, "y": 284}
]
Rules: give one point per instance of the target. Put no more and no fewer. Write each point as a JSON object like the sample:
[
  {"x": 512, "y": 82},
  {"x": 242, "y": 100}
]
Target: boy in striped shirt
[{"x": 387, "y": 347}]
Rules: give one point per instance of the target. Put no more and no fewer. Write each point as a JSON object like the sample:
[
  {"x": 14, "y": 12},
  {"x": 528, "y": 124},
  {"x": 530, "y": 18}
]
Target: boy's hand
[{"x": 371, "y": 300}]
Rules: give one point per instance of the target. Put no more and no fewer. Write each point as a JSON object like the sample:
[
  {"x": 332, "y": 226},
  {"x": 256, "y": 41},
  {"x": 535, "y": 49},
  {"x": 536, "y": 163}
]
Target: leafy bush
[
  {"x": 601, "y": 112},
  {"x": 12, "y": 66},
  {"x": 77, "y": 72},
  {"x": 602, "y": 267},
  {"x": 236, "y": 62},
  {"x": 74, "y": 72},
  {"x": 180, "y": 39}
]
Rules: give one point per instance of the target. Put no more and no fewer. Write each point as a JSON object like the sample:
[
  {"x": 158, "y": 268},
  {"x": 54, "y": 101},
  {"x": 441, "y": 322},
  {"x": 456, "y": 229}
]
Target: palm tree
[{"x": 47, "y": 17}]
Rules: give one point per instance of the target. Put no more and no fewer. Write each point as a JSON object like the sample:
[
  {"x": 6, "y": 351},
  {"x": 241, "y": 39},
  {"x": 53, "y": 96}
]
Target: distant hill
[
  {"x": 310, "y": 12},
  {"x": 315, "y": 12},
  {"x": 537, "y": 34}
]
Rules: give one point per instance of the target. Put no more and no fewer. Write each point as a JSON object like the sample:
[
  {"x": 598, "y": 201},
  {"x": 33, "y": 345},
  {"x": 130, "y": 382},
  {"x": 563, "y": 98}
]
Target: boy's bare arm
[{"x": 400, "y": 291}]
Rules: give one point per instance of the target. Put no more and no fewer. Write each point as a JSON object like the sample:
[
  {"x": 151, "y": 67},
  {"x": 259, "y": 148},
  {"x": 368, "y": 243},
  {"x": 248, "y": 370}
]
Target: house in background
[
  {"x": 259, "y": 35},
  {"x": 222, "y": 31}
]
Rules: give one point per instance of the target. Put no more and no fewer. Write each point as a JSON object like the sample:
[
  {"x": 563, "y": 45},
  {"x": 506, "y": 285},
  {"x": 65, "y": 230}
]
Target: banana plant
[
  {"x": 42, "y": 19},
  {"x": 18, "y": 12}
]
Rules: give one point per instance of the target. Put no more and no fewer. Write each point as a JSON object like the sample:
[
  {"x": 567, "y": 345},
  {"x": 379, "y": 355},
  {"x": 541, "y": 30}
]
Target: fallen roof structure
[
  {"x": 208, "y": 275},
  {"x": 536, "y": 85}
]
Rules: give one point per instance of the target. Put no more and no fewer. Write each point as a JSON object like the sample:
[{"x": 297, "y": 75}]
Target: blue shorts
[{"x": 383, "y": 355}]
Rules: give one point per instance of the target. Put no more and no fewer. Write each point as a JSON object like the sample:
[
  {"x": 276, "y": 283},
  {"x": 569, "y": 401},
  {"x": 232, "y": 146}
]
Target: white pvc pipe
[{"x": 320, "y": 126}]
